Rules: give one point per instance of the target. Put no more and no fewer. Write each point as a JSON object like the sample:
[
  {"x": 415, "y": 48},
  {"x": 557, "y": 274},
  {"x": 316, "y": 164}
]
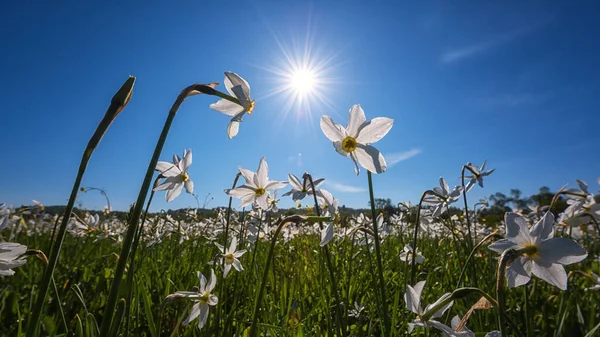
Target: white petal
[
  {"x": 543, "y": 229},
  {"x": 167, "y": 169},
  {"x": 561, "y": 250},
  {"x": 237, "y": 265},
  {"x": 501, "y": 245},
  {"x": 441, "y": 311},
  {"x": 275, "y": 185},
  {"x": 237, "y": 80},
  {"x": 554, "y": 274},
  {"x": 212, "y": 282},
  {"x": 412, "y": 297},
  {"x": 186, "y": 162},
  {"x": 262, "y": 174},
  {"x": 189, "y": 186},
  {"x": 227, "y": 269},
  {"x": 516, "y": 228},
  {"x": 295, "y": 182},
  {"x": 233, "y": 128},
  {"x": 202, "y": 281},
  {"x": 355, "y": 161},
  {"x": 241, "y": 192},
  {"x": 262, "y": 201},
  {"x": 233, "y": 244},
  {"x": 370, "y": 158},
  {"x": 326, "y": 234},
  {"x": 174, "y": 192},
  {"x": 203, "y": 315},
  {"x": 227, "y": 107},
  {"x": 374, "y": 130},
  {"x": 519, "y": 272},
  {"x": 356, "y": 121},
  {"x": 247, "y": 174},
  {"x": 193, "y": 314},
  {"x": 334, "y": 132}
]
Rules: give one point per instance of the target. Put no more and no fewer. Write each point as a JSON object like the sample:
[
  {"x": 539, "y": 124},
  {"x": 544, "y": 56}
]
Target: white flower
[
  {"x": 231, "y": 256},
  {"x": 301, "y": 189},
  {"x": 353, "y": 140},
  {"x": 203, "y": 299},
  {"x": 329, "y": 205},
  {"x": 176, "y": 175},
  {"x": 451, "y": 332},
  {"x": 412, "y": 297},
  {"x": 326, "y": 234},
  {"x": 548, "y": 256},
  {"x": 406, "y": 255},
  {"x": 477, "y": 177},
  {"x": 10, "y": 257},
  {"x": 356, "y": 311},
  {"x": 442, "y": 197},
  {"x": 238, "y": 87},
  {"x": 257, "y": 186}
]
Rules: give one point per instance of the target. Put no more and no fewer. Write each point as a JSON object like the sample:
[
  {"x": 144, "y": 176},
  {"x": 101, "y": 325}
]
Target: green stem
[
  {"x": 259, "y": 295},
  {"x": 386, "y": 318},
  {"x": 470, "y": 241},
  {"x": 507, "y": 257},
  {"x": 334, "y": 289},
  {"x": 414, "y": 243},
  {"x": 139, "y": 204},
  {"x": 117, "y": 104}
]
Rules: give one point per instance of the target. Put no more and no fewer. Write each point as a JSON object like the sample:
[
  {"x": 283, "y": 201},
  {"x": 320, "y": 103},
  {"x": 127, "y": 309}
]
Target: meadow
[{"x": 317, "y": 271}]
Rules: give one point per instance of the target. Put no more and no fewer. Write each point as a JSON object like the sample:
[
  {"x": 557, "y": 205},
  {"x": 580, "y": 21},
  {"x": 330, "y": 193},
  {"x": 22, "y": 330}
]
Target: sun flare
[{"x": 303, "y": 81}]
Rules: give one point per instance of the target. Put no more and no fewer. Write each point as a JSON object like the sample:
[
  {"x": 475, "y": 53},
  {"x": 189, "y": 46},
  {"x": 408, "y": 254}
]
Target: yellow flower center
[
  {"x": 349, "y": 144},
  {"x": 229, "y": 258},
  {"x": 250, "y": 107},
  {"x": 532, "y": 250},
  {"x": 204, "y": 297},
  {"x": 184, "y": 177},
  {"x": 259, "y": 191}
]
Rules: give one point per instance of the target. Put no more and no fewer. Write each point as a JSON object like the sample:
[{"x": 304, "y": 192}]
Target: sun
[{"x": 303, "y": 81}]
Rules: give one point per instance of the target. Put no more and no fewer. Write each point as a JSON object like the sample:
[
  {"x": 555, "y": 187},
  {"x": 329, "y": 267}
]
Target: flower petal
[
  {"x": 193, "y": 314},
  {"x": 519, "y": 272},
  {"x": 356, "y": 121},
  {"x": 326, "y": 234},
  {"x": 174, "y": 192},
  {"x": 262, "y": 174},
  {"x": 247, "y": 174},
  {"x": 412, "y": 297},
  {"x": 554, "y": 274},
  {"x": 516, "y": 228},
  {"x": 237, "y": 80},
  {"x": 227, "y": 107},
  {"x": 203, "y": 315},
  {"x": 212, "y": 282},
  {"x": 370, "y": 158},
  {"x": 167, "y": 169},
  {"x": 233, "y": 128},
  {"x": 334, "y": 132},
  {"x": 501, "y": 245},
  {"x": 543, "y": 229},
  {"x": 275, "y": 185},
  {"x": 374, "y": 130},
  {"x": 560, "y": 250},
  {"x": 189, "y": 186}
]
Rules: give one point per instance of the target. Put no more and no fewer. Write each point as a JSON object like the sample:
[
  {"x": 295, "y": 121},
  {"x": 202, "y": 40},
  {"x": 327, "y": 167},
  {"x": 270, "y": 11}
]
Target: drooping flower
[
  {"x": 240, "y": 89},
  {"x": 354, "y": 139},
  {"x": 203, "y": 299},
  {"x": 407, "y": 254},
  {"x": 412, "y": 297},
  {"x": 301, "y": 189},
  {"x": 11, "y": 257},
  {"x": 548, "y": 254},
  {"x": 231, "y": 256},
  {"x": 257, "y": 186},
  {"x": 177, "y": 176}
]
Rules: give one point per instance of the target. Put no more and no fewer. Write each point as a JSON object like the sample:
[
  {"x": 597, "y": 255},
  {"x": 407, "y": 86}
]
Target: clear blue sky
[{"x": 516, "y": 83}]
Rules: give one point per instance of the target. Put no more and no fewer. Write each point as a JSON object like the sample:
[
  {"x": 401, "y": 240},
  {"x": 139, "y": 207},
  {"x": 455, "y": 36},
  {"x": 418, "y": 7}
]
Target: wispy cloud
[
  {"x": 480, "y": 47},
  {"x": 343, "y": 187},
  {"x": 394, "y": 158}
]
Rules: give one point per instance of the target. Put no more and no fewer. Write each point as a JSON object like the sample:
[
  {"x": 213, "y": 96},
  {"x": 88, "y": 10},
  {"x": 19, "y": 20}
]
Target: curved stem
[
  {"x": 117, "y": 104},
  {"x": 139, "y": 204},
  {"x": 414, "y": 243}
]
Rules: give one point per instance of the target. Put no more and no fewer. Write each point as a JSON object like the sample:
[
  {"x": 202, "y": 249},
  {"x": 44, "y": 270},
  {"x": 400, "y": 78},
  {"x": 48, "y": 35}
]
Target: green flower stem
[
  {"x": 507, "y": 257},
  {"x": 221, "y": 279},
  {"x": 464, "y": 268},
  {"x": 457, "y": 294},
  {"x": 470, "y": 241},
  {"x": 139, "y": 204},
  {"x": 340, "y": 321},
  {"x": 386, "y": 318},
  {"x": 259, "y": 295},
  {"x": 414, "y": 243},
  {"x": 117, "y": 104}
]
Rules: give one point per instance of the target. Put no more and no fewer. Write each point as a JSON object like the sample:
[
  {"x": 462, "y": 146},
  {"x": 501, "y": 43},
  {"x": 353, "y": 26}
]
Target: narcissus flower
[
  {"x": 240, "y": 89},
  {"x": 177, "y": 176},
  {"x": 354, "y": 139},
  {"x": 406, "y": 255},
  {"x": 203, "y": 299},
  {"x": 257, "y": 186},
  {"x": 301, "y": 189},
  {"x": 231, "y": 256},
  {"x": 412, "y": 297},
  {"x": 442, "y": 197},
  {"x": 11, "y": 257},
  {"x": 546, "y": 255}
]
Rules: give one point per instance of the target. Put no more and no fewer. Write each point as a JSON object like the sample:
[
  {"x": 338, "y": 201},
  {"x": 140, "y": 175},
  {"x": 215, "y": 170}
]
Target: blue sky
[{"x": 515, "y": 83}]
